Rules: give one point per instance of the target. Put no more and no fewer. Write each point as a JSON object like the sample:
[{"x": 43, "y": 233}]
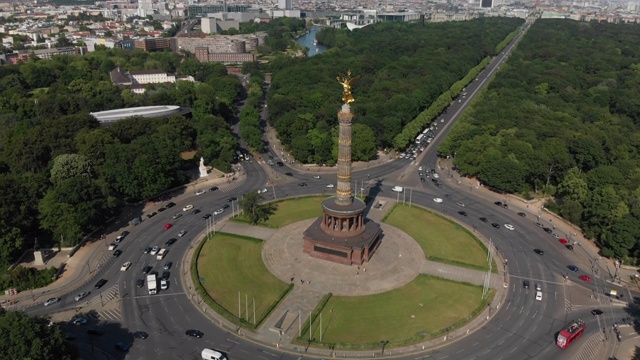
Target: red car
[
  {"x": 563, "y": 241},
  {"x": 168, "y": 226},
  {"x": 585, "y": 278}
]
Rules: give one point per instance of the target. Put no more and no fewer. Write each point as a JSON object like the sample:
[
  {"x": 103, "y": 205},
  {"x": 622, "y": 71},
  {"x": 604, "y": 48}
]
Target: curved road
[{"x": 521, "y": 328}]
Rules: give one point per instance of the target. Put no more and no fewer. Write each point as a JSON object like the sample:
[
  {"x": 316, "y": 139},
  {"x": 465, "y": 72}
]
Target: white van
[
  {"x": 161, "y": 254},
  {"x": 208, "y": 354},
  {"x": 397, "y": 189}
]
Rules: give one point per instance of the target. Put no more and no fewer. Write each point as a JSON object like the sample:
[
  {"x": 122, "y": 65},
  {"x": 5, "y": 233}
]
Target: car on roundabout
[
  {"x": 100, "y": 283},
  {"x": 585, "y": 278},
  {"x": 316, "y": 176},
  {"x": 79, "y": 321},
  {"x": 463, "y": 213},
  {"x": 140, "y": 283},
  {"x": 200, "y": 192},
  {"x": 538, "y": 251},
  {"x": 168, "y": 226},
  {"x": 167, "y": 266},
  {"x": 509, "y": 226},
  {"x": 182, "y": 233},
  {"x": 140, "y": 335},
  {"x": 177, "y": 215},
  {"x": 196, "y": 211},
  {"x": 563, "y": 241},
  {"x": 206, "y": 216},
  {"x": 597, "y": 312},
  {"x": 572, "y": 268},
  {"x": 555, "y": 236},
  {"x": 117, "y": 253},
  {"x": 147, "y": 250},
  {"x": 213, "y": 188},
  {"x": 125, "y": 266},
  {"x": 195, "y": 333},
  {"x": 51, "y": 301},
  {"x": 154, "y": 250},
  {"x": 484, "y": 219},
  {"x": 539, "y": 225},
  {"x": 495, "y": 225},
  {"x": 82, "y": 295},
  {"x": 330, "y": 185},
  {"x": 218, "y": 212},
  {"x": 460, "y": 203},
  {"x": 522, "y": 214},
  {"x": 302, "y": 184},
  {"x": 437, "y": 200}
]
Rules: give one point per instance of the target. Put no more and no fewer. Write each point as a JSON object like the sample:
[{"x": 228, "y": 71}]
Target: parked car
[
  {"x": 170, "y": 205},
  {"x": 122, "y": 346},
  {"x": 152, "y": 214},
  {"x": 147, "y": 250}
]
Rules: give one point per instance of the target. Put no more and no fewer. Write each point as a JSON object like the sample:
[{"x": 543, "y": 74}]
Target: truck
[
  {"x": 571, "y": 332},
  {"x": 152, "y": 284}
]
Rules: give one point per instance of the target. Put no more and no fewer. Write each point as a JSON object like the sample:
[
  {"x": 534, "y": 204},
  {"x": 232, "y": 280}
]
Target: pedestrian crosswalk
[
  {"x": 228, "y": 186},
  {"x": 106, "y": 315},
  {"x": 567, "y": 305},
  {"x": 591, "y": 347},
  {"x": 104, "y": 296}
]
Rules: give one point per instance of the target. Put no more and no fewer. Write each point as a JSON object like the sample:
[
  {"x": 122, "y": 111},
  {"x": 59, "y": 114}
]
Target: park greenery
[
  {"x": 444, "y": 239},
  {"x": 62, "y": 175},
  {"x": 403, "y": 67},
  {"x": 238, "y": 272},
  {"x": 249, "y": 116},
  {"x": 253, "y": 210},
  {"x": 25, "y": 337},
  {"x": 562, "y": 118}
]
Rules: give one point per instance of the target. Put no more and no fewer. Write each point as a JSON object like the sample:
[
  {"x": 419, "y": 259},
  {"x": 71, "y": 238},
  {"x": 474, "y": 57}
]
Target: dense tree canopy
[
  {"x": 403, "y": 67},
  {"x": 563, "y": 116},
  {"x": 61, "y": 174}
]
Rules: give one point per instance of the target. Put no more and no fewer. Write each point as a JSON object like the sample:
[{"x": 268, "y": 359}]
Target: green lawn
[
  {"x": 422, "y": 308},
  {"x": 294, "y": 210},
  {"x": 441, "y": 239},
  {"x": 229, "y": 264}
]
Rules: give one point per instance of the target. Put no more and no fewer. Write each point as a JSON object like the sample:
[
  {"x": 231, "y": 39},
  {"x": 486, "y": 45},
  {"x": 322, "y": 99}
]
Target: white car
[
  {"x": 509, "y": 226},
  {"x": 330, "y": 185},
  {"x": 436, "y": 175},
  {"x": 125, "y": 266},
  {"x": 79, "y": 321},
  {"x": 82, "y": 295},
  {"x": 182, "y": 233},
  {"x": 539, "y": 295},
  {"x": 437, "y": 200},
  {"x": 112, "y": 246},
  {"x": 163, "y": 284},
  {"x": 316, "y": 176},
  {"x": 420, "y": 168},
  {"x": 262, "y": 191},
  {"x": 218, "y": 212},
  {"x": 200, "y": 192},
  {"x": 187, "y": 208},
  {"x": 154, "y": 250}
]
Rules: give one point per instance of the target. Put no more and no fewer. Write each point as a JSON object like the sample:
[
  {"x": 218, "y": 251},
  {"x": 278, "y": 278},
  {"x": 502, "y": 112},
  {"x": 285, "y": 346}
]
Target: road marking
[
  {"x": 534, "y": 315},
  {"x": 476, "y": 343},
  {"x": 232, "y": 341}
]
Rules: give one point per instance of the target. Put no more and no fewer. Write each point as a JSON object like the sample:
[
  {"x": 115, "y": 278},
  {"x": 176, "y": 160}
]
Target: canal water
[{"x": 307, "y": 40}]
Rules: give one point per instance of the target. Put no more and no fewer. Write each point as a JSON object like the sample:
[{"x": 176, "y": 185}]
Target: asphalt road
[{"x": 521, "y": 328}]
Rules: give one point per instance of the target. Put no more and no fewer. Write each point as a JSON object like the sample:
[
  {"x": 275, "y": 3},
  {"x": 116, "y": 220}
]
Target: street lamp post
[{"x": 383, "y": 343}]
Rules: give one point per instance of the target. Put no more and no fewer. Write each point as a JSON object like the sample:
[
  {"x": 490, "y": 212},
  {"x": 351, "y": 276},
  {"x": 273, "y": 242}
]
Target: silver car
[
  {"x": 51, "y": 301},
  {"x": 82, "y": 295}
]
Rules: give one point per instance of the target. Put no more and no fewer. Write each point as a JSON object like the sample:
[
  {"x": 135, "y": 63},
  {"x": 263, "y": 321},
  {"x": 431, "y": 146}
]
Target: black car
[
  {"x": 147, "y": 250},
  {"x": 538, "y": 251},
  {"x": 448, "y": 196},
  {"x": 522, "y": 214},
  {"x": 170, "y": 205},
  {"x": 146, "y": 269},
  {"x": 438, "y": 185},
  {"x": 225, "y": 206},
  {"x": 435, "y": 181},
  {"x": 122, "y": 236},
  {"x": 547, "y": 230},
  {"x": 499, "y": 203},
  {"x": 196, "y": 211},
  {"x": 422, "y": 179},
  {"x": 233, "y": 198},
  {"x": 162, "y": 209},
  {"x": 484, "y": 219},
  {"x": 596, "y": 312},
  {"x": 117, "y": 253},
  {"x": 152, "y": 214},
  {"x": 525, "y": 284},
  {"x": 140, "y": 335},
  {"x": 505, "y": 206},
  {"x": 97, "y": 332},
  {"x": 433, "y": 171},
  {"x": 195, "y": 333},
  {"x": 170, "y": 242},
  {"x": 140, "y": 283},
  {"x": 165, "y": 275},
  {"x": 213, "y": 188},
  {"x": 122, "y": 346},
  {"x": 302, "y": 184},
  {"x": 569, "y": 247},
  {"x": 495, "y": 225},
  {"x": 288, "y": 174},
  {"x": 167, "y": 266},
  {"x": 539, "y": 225},
  {"x": 206, "y": 216},
  {"x": 100, "y": 283},
  {"x": 462, "y": 213},
  {"x": 279, "y": 163}
]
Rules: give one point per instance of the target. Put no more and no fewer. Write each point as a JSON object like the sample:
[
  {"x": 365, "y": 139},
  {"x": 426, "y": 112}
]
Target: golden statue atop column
[{"x": 347, "y": 82}]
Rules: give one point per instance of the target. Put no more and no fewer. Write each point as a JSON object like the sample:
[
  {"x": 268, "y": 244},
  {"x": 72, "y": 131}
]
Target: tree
[
  {"x": 25, "y": 337},
  {"x": 70, "y": 165},
  {"x": 253, "y": 210}
]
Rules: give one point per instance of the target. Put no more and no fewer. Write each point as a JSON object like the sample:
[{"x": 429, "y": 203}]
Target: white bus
[
  {"x": 161, "y": 254},
  {"x": 419, "y": 138}
]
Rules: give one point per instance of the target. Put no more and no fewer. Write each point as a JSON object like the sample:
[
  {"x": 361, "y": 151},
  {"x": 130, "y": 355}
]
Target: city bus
[
  {"x": 569, "y": 333},
  {"x": 419, "y": 138}
]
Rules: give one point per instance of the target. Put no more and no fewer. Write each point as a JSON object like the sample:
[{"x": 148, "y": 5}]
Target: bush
[{"x": 23, "y": 278}]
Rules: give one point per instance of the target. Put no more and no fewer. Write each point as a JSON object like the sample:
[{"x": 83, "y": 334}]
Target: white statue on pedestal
[{"x": 203, "y": 169}]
